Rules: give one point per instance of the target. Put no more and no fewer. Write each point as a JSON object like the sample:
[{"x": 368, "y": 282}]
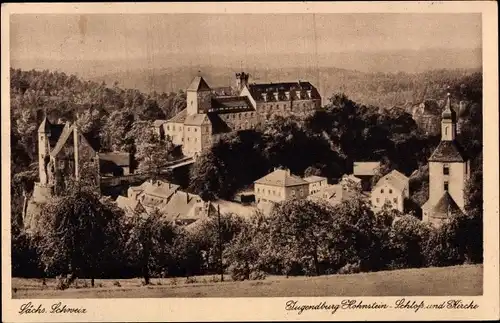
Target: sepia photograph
[{"x": 235, "y": 155}]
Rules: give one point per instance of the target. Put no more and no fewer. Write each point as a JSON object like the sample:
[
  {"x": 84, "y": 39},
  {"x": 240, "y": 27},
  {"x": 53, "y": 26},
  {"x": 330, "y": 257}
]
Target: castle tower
[
  {"x": 241, "y": 81},
  {"x": 43, "y": 150},
  {"x": 199, "y": 96},
  {"x": 448, "y": 172}
]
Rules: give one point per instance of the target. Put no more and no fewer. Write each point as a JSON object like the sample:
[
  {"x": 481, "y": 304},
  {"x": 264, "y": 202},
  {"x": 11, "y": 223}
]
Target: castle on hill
[{"x": 211, "y": 112}]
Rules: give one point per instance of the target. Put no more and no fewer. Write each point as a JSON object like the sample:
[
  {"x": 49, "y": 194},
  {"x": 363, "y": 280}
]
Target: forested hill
[{"x": 378, "y": 89}]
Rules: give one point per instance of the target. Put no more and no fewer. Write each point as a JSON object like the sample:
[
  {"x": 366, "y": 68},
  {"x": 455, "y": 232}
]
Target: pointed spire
[{"x": 448, "y": 112}]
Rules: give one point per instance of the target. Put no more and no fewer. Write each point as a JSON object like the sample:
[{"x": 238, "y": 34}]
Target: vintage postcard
[{"x": 250, "y": 161}]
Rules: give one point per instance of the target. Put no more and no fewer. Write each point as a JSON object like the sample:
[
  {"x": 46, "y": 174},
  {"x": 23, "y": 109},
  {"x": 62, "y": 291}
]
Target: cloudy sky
[{"x": 204, "y": 36}]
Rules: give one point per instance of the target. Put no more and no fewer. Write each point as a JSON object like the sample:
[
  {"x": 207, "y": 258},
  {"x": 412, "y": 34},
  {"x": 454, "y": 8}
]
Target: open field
[{"x": 457, "y": 281}]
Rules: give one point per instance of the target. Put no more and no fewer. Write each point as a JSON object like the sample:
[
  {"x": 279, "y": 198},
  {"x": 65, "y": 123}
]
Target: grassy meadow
[{"x": 466, "y": 280}]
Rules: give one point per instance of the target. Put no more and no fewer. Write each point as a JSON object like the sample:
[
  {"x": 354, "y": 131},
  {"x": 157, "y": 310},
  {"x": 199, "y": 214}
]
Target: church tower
[
  {"x": 199, "y": 96},
  {"x": 448, "y": 172}
]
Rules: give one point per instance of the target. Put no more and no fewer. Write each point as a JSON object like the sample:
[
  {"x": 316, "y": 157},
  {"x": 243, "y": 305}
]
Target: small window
[
  {"x": 446, "y": 186},
  {"x": 377, "y": 200},
  {"x": 168, "y": 127},
  {"x": 446, "y": 170},
  {"x": 395, "y": 200},
  {"x": 189, "y": 129},
  {"x": 382, "y": 191},
  {"x": 195, "y": 129},
  {"x": 390, "y": 191}
]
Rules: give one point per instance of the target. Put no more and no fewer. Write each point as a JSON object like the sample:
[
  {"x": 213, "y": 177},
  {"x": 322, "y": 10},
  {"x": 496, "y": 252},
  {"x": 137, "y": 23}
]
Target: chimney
[
  {"x": 276, "y": 97},
  {"x": 264, "y": 96},
  {"x": 287, "y": 94},
  {"x": 309, "y": 94},
  {"x": 298, "y": 94}
]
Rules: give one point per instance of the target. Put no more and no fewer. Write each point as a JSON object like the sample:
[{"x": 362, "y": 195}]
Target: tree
[
  {"x": 153, "y": 153},
  {"x": 298, "y": 229},
  {"x": 149, "y": 243},
  {"x": 77, "y": 234},
  {"x": 408, "y": 237}
]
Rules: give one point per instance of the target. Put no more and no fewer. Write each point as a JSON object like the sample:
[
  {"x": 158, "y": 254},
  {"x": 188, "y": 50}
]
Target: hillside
[
  {"x": 457, "y": 280},
  {"x": 378, "y": 89}
]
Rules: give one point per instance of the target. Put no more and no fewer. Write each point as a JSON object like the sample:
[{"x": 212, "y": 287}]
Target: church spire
[{"x": 448, "y": 121}]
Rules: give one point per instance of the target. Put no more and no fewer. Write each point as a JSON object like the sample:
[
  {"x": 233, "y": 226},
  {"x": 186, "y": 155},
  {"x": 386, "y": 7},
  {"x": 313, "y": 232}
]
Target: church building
[{"x": 449, "y": 170}]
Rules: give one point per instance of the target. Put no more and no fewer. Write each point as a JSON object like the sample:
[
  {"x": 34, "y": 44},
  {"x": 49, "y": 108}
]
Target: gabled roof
[
  {"x": 445, "y": 207},
  {"x": 448, "y": 151},
  {"x": 180, "y": 205},
  {"x": 198, "y": 84},
  {"x": 332, "y": 193},
  {"x": 365, "y": 168},
  {"x": 197, "y": 119},
  {"x": 314, "y": 179},
  {"x": 163, "y": 190},
  {"x": 179, "y": 117},
  {"x": 281, "y": 177},
  {"x": 395, "y": 179}
]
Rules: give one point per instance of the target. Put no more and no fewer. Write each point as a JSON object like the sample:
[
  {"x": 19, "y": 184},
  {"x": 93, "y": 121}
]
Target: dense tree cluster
[{"x": 83, "y": 236}]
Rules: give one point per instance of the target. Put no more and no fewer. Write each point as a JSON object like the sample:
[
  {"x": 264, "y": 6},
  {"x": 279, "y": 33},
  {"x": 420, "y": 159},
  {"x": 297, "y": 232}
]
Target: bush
[
  {"x": 351, "y": 268},
  {"x": 117, "y": 283},
  {"x": 191, "y": 280}
]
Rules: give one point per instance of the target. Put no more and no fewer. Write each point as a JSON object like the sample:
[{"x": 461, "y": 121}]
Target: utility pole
[{"x": 220, "y": 244}]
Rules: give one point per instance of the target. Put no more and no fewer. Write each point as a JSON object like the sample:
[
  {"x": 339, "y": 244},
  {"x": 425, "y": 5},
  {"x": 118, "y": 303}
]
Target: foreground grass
[{"x": 457, "y": 281}]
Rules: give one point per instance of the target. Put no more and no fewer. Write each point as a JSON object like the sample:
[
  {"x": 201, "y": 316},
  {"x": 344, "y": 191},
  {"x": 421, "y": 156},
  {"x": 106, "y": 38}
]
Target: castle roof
[
  {"x": 395, "y": 179},
  {"x": 198, "y": 84},
  {"x": 256, "y": 90},
  {"x": 281, "y": 177},
  {"x": 179, "y": 117},
  {"x": 231, "y": 104},
  {"x": 197, "y": 119},
  {"x": 445, "y": 207},
  {"x": 448, "y": 151}
]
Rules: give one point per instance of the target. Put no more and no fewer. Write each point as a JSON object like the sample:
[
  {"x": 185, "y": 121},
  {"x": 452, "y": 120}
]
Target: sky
[{"x": 203, "y": 37}]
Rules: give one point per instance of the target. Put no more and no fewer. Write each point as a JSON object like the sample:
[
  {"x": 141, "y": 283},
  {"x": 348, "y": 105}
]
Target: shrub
[
  {"x": 351, "y": 268},
  {"x": 117, "y": 283},
  {"x": 191, "y": 280}
]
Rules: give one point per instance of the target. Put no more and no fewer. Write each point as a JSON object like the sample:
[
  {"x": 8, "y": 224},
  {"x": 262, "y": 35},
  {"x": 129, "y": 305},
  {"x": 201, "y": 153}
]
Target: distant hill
[
  {"x": 385, "y": 78},
  {"x": 380, "y": 89}
]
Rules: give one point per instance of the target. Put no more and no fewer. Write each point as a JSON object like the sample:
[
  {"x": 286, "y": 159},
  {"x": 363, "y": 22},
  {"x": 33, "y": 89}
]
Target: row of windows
[
  {"x": 283, "y": 107},
  {"x": 269, "y": 192},
  {"x": 395, "y": 200},
  {"x": 234, "y": 116}
]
